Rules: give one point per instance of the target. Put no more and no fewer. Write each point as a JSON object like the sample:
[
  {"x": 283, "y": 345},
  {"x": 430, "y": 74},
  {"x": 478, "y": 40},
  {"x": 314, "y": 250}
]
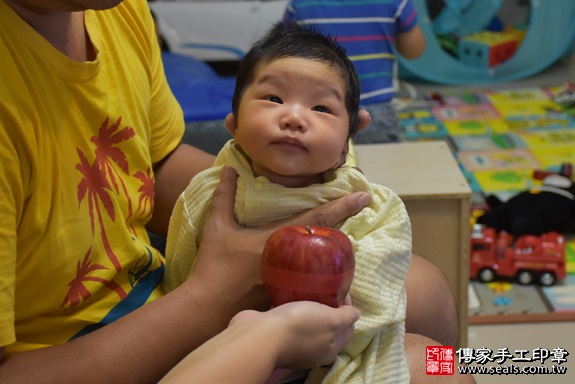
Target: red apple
[{"x": 308, "y": 263}]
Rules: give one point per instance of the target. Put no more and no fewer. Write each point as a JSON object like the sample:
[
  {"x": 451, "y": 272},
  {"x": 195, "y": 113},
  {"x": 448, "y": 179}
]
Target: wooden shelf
[{"x": 437, "y": 198}]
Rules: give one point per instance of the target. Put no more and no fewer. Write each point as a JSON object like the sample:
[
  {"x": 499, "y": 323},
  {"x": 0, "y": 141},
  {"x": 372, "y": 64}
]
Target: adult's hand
[
  {"x": 222, "y": 219},
  {"x": 228, "y": 261},
  {"x": 313, "y": 334},
  {"x": 295, "y": 335}
]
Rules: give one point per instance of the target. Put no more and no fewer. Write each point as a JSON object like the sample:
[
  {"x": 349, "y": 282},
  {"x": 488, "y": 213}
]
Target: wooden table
[{"x": 437, "y": 198}]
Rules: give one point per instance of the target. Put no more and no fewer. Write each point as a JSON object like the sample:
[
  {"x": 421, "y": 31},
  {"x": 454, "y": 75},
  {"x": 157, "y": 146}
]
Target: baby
[{"x": 295, "y": 109}]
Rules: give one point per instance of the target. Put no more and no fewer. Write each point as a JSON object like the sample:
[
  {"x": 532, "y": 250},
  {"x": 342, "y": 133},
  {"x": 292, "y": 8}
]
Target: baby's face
[{"x": 292, "y": 121}]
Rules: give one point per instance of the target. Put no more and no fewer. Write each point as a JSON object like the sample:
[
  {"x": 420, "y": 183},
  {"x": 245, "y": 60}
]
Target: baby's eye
[
  {"x": 274, "y": 99},
  {"x": 321, "y": 108}
]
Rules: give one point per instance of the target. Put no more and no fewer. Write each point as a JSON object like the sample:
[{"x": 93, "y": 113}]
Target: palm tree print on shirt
[
  {"x": 108, "y": 153},
  {"x": 100, "y": 179},
  {"x": 79, "y": 292},
  {"x": 95, "y": 186},
  {"x": 146, "y": 190}
]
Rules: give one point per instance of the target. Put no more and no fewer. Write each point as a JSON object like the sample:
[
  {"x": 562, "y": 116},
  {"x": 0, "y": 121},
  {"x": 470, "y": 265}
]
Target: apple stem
[{"x": 308, "y": 229}]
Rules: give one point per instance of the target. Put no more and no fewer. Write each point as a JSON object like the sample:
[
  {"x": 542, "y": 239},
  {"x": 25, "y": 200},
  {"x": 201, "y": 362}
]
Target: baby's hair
[{"x": 291, "y": 40}]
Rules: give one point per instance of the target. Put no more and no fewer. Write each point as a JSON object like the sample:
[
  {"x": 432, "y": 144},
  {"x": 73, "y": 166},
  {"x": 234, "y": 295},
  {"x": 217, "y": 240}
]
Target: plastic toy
[
  {"x": 565, "y": 170},
  {"x": 566, "y": 96},
  {"x": 527, "y": 259},
  {"x": 438, "y": 98},
  {"x": 550, "y": 35},
  {"x": 546, "y": 208},
  {"x": 487, "y": 48},
  {"x": 465, "y": 17}
]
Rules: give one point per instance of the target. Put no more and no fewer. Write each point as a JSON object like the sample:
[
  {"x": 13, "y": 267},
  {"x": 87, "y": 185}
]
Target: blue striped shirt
[{"x": 367, "y": 30}]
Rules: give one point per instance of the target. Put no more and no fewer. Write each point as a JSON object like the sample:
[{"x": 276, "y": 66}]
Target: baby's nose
[{"x": 293, "y": 118}]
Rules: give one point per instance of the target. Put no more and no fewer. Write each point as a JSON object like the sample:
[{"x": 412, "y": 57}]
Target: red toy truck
[{"x": 528, "y": 258}]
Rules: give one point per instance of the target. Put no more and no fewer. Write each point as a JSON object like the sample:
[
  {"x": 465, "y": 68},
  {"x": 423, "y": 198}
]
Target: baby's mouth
[{"x": 290, "y": 142}]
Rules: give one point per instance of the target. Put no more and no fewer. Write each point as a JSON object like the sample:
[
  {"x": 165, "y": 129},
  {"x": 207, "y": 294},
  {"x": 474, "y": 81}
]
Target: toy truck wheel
[
  {"x": 547, "y": 279},
  {"x": 486, "y": 275},
  {"x": 525, "y": 277}
]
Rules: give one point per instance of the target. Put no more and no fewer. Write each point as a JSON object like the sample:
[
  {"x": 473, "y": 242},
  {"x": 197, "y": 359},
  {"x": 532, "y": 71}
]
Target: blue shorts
[{"x": 385, "y": 126}]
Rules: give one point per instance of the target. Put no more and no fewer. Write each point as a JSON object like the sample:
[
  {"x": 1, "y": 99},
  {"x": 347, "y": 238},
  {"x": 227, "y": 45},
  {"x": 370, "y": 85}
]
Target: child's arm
[
  {"x": 410, "y": 44},
  {"x": 409, "y": 39}
]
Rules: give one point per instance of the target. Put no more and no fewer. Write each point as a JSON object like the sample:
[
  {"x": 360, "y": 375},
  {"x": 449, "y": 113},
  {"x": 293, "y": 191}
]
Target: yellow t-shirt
[{"x": 77, "y": 141}]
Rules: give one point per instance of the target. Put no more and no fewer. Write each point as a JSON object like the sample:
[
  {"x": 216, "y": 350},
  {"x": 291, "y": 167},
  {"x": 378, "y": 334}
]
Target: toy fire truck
[{"x": 527, "y": 258}]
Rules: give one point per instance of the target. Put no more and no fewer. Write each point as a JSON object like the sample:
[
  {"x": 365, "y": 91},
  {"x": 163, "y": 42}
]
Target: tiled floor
[{"x": 524, "y": 336}]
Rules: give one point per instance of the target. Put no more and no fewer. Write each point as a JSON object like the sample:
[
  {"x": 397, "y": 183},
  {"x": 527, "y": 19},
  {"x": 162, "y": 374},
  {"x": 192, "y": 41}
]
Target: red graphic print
[
  {"x": 100, "y": 180},
  {"x": 78, "y": 291},
  {"x": 108, "y": 153},
  {"x": 95, "y": 185},
  {"x": 146, "y": 190}
]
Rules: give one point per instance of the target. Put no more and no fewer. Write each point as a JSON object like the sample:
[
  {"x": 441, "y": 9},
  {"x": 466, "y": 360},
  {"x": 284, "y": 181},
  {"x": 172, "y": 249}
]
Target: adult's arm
[
  {"x": 300, "y": 335},
  {"x": 172, "y": 176}
]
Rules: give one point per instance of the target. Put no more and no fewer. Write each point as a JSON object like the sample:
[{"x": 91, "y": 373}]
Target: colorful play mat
[{"x": 500, "y": 137}]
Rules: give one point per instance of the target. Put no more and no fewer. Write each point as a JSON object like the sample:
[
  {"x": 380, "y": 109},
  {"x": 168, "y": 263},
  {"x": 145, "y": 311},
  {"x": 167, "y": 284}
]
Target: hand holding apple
[{"x": 308, "y": 263}]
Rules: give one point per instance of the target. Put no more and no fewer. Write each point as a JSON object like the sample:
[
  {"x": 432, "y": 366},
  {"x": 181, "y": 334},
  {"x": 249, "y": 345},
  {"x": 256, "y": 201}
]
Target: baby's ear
[
  {"x": 345, "y": 150},
  {"x": 343, "y": 156},
  {"x": 231, "y": 124}
]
